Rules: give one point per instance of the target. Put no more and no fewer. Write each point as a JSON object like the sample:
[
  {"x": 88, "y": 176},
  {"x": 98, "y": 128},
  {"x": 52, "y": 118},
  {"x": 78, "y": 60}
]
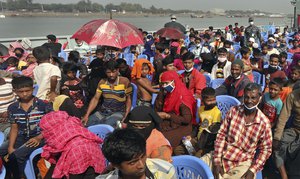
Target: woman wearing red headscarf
[{"x": 176, "y": 107}]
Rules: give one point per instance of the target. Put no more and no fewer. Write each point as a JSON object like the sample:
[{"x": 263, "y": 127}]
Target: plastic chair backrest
[
  {"x": 142, "y": 56},
  {"x": 2, "y": 137},
  {"x": 236, "y": 48},
  {"x": 289, "y": 55},
  {"x": 18, "y": 72},
  {"x": 208, "y": 79},
  {"x": 198, "y": 102},
  {"x": 238, "y": 56},
  {"x": 3, "y": 173},
  {"x": 129, "y": 57},
  {"x": 190, "y": 167},
  {"x": 154, "y": 95},
  {"x": 216, "y": 83},
  {"x": 63, "y": 55},
  {"x": 259, "y": 175},
  {"x": 29, "y": 168},
  {"x": 257, "y": 77},
  {"x": 225, "y": 102},
  {"x": 289, "y": 61},
  {"x": 152, "y": 60},
  {"x": 35, "y": 89},
  {"x": 101, "y": 130},
  {"x": 180, "y": 72},
  {"x": 134, "y": 96}
]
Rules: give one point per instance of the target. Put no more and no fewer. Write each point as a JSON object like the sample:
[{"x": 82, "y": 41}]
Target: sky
[{"x": 275, "y": 6}]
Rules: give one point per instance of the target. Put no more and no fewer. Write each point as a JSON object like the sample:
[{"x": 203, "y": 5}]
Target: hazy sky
[{"x": 276, "y": 6}]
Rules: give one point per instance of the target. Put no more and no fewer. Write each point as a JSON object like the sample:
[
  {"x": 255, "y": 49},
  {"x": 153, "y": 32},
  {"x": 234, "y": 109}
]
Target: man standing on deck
[
  {"x": 174, "y": 24},
  {"x": 252, "y": 31}
]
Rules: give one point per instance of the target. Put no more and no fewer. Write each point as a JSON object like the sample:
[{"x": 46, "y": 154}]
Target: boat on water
[
  {"x": 2, "y": 16},
  {"x": 196, "y": 16}
]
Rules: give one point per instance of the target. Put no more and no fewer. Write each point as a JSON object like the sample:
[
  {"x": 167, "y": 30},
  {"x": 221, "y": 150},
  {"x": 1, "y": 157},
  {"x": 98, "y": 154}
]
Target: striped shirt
[
  {"x": 114, "y": 96},
  {"x": 238, "y": 141},
  {"x": 28, "y": 121},
  {"x": 6, "y": 96}
]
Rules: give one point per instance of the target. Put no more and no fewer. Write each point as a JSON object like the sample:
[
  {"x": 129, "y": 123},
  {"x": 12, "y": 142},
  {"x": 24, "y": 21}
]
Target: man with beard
[
  {"x": 146, "y": 122},
  {"x": 125, "y": 149},
  {"x": 234, "y": 84},
  {"x": 244, "y": 141}
]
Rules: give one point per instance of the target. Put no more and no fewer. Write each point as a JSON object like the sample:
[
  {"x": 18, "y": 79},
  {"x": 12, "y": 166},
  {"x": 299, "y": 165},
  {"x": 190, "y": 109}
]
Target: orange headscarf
[{"x": 137, "y": 68}]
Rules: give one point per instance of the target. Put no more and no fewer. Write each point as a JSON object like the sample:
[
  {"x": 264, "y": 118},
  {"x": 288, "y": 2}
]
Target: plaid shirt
[{"x": 238, "y": 141}]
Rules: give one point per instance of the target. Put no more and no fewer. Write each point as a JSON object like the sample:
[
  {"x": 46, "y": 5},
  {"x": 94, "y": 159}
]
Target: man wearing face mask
[
  {"x": 146, "y": 122},
  {"x": 235, "y": 83},
  {"x": 244, "y": 130},
  {"x": 199, "y": 49},
  {"x": 222, "y": 68},
  {"x": 273, "y": 69},
  {"x": 192, "y": 78},
  {"x": 252, "y": 31}
]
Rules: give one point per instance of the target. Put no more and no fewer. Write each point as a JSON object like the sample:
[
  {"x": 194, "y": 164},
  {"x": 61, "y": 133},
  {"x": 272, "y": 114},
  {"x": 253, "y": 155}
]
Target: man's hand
[
  {"x": 164, "y": 115},
  {"x": 52, "y": 96},
  {"x": 85, "y": 119},
  {"x": 33, "y": 142},
  {"x": 276, "y": 145},
  {"x": 11, "y": 150},
  {"x": 217, "y": 171},
  {"x": 248, "y": 175}
]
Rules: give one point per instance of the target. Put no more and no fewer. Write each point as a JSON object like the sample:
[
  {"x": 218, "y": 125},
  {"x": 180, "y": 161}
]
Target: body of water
[{"x": 19, "y": 27}]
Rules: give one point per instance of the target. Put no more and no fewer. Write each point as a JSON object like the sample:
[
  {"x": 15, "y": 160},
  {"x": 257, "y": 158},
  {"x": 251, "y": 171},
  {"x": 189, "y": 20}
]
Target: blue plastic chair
[
  {"x": 198, "y": 102},
  {"x": 35, "y": 89},
  {"x": 142, "y": 56},
  {"x": 190, "y": 167},
  {"x": 238, "y": 56},
  {"x": 29, "y": 168},
  {"x": 180, "y": 72},
  {"x": 3, "y": 173},
  {"x": 289, "y": 55},
  {"x": 236, "y": 48},
  {"x": 289, "y": 61},
  {"x": 208, "y": 79},
  {"x": 134, "y": 95},
  {"x": 257, "y": 77},
  {"x": 101, "y": 130},
  {"x": 63, "y": 55},
  {"x": 152, "y": 60},
  {"x": 2, "y": 138},
  {"x": 18, "y": 72},
  {"x": 259, "y": 175},
  {"x": 216, "y": 83},
  {"x": 225, "y": 102},
  {"x": 129, "y": 57},
  {"x": 154, "y": 96}
]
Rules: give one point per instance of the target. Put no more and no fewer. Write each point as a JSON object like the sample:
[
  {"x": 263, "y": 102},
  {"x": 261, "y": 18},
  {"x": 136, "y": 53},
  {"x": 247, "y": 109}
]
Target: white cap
[
  {"x": 271, "y": 38},
  {"x": 255, "y": 45},
  {"x": 276, "y": 35},
  {"x": 173, "y": 17},
  {"x": 251, "y": 39},
  {"x": 26, "y": 43}
]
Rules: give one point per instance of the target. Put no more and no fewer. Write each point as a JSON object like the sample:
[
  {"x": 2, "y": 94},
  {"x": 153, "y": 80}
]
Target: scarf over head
[
  {"x": 180, "y": 95},
  {"x": 78, "y": 147},
  {"x": 137, "y": 68}
]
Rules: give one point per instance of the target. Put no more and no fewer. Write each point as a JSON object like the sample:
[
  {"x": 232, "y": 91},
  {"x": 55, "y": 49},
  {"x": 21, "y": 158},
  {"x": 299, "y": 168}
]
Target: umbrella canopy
[
  {"x": 176, "y": 25},
  {"x": 110, "y": 32},
  {"x": 3, "y": 50},
  {"x": 171, "y": 33}
]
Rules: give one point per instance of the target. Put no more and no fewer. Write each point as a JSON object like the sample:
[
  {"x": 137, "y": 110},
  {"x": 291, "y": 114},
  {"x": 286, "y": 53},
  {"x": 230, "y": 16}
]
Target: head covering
[
  {"x": 238, "y": 62},
  {"x": 79, "y": 148},
  {"x": 51, "y": 37},
  {"x": 226, "y": 28},
  {"x": 180, "y": 95},
  {"x": 251, "y": 39},
  {"x": 143, "y": 115},
  {"x": 173, "y": 17},
  {"x": 251, "y": 19},
  {"x": 137, "y": 68},
  {"x": 271, "y": 38}
]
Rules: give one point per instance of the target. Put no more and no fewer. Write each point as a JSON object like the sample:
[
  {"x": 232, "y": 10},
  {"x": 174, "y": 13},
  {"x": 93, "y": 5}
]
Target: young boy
[
  {"x": 25, "y": 133},
  {"x": 209, "y": 115},
  {"x": 125, "y": 149},
  {"x": 71, "y": 86},
  {"x": 284, "y": 65},
  {"x": 295, "y": 76},
  {"x": 141, "y": 69},
  {"x": 46, "y": 75},
  {"x": 271, "y": 102}
]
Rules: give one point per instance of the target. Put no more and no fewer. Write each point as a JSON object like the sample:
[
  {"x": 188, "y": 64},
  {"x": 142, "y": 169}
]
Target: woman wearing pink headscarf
[{"x": 72, "y": 148}]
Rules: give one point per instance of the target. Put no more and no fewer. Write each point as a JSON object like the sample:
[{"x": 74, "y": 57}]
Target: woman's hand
[{"x": 164, "y": 115}]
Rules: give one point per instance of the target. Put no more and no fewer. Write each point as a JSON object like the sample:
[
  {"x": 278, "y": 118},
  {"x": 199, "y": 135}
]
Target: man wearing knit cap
[
  {"x": 234, "y": 84},
  {"x": 252, "y": 31}
]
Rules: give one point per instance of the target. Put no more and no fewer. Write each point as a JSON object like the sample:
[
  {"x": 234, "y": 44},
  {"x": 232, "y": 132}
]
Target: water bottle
[{"x": 188, "y": 145}]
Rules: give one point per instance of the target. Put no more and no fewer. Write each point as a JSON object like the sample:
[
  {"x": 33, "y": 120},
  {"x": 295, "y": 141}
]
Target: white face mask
[
  {"x": 251, "y": 23},
  {"x": 188, "y": 71},
  {"x": 222, "y": 59},
  {"x": 253, "y": 107}
]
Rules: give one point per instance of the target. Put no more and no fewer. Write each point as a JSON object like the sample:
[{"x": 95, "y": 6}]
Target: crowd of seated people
[{"x": 154, "y": 100}]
